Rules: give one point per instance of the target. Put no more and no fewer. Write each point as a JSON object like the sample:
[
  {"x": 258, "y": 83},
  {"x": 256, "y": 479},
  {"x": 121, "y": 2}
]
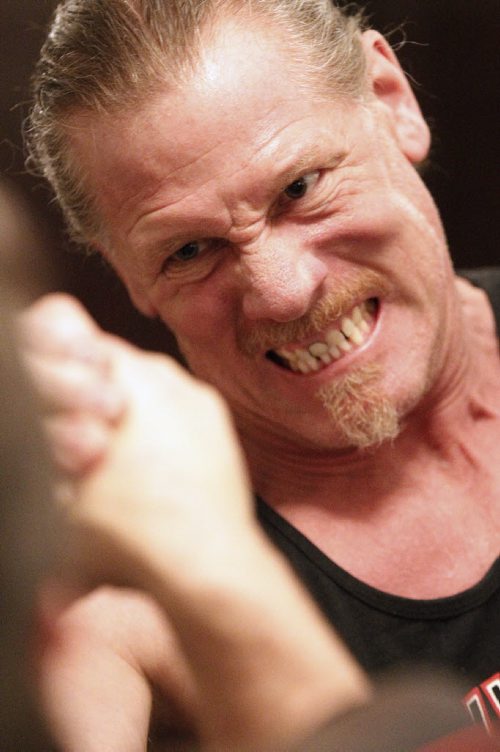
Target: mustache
[{"x": 332, "y": 306}]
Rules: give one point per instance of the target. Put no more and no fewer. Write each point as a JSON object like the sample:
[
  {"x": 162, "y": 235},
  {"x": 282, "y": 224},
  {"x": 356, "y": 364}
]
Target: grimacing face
[{"x": 286, "y": 239}]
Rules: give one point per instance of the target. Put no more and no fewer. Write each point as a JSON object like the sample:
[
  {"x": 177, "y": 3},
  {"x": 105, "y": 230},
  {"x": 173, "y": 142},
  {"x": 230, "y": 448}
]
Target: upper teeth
[{"x": 350, "y": 330}]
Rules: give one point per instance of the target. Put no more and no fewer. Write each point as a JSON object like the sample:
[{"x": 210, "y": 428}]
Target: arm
[
  {"x": 243, "y": 659},
  {"x": 103, "y": 659},
  {"x": 102, "y": 656},
  {"x": 176, "y": 516},
  {"x": 163, "y": 504}
]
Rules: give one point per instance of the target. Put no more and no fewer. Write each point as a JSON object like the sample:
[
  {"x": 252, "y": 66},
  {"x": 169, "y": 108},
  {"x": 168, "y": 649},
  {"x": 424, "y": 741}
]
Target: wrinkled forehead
[{"x": 246, "y": 87}]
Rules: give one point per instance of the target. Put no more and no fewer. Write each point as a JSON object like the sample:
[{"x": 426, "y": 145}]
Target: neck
[
  {"x": 450, "y": 428},
  {"x": 417, "y": 516}
]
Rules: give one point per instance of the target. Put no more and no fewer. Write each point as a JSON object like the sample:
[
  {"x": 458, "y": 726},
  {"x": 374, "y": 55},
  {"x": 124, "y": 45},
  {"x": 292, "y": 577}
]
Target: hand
[
  {"x": 169, "y": 510},
  {"x": 172, "y": 476},
  {"x": 174, "y": 472},
  {"x": 66, "y": 356}
]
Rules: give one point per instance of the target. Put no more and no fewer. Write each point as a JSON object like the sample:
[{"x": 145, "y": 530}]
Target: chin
[{"x": 362, "y": 415}]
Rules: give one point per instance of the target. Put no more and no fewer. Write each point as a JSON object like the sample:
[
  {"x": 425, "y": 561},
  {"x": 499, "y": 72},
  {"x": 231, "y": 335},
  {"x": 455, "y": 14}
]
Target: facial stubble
[{"x": 362, "y": 414}]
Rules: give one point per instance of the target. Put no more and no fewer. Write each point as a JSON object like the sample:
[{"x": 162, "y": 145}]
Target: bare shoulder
[{"x": 477, "y": 309}]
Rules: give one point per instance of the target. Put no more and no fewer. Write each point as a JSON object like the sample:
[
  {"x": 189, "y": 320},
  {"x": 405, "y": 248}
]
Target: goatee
[{"x": 363, "y": 415}]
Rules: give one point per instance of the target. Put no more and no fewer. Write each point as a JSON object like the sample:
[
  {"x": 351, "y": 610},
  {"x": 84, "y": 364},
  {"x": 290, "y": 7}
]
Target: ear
[{"x": 392, "y": 89}]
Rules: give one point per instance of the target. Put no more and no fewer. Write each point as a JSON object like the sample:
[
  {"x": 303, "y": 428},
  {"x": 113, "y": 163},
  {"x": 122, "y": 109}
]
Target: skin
[
  {"x": 211, "y": 161},
  {"x": 205, "y": 587},
  {"x": 278, "y": 259}
]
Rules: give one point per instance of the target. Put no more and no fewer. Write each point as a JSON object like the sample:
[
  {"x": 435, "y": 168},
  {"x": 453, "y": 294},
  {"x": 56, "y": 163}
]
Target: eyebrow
[
  {"x": 149, "y": 254},
  {"x": 305, "y": 162}
]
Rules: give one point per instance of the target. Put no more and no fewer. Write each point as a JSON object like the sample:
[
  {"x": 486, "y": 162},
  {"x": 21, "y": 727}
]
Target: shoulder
[{"x": 487, "y": 280}]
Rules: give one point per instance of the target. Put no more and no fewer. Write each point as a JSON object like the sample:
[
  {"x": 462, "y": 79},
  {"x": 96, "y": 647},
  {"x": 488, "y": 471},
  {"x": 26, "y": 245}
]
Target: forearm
[
  {"x": 170, "y": 511},
  {"x": 268, "y": 668},
  {"x": 91, "y": 697}
]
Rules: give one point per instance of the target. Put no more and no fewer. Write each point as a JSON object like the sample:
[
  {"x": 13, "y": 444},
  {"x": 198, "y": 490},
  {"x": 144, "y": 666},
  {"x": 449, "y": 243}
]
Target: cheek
[
  {"x": 361, "y": 211},
  {"x": 379, "y": 199},
  {"x": 390, "y": 231},
  {"x": 199, "y": 317},
  {"x": 207, "y": 355}
]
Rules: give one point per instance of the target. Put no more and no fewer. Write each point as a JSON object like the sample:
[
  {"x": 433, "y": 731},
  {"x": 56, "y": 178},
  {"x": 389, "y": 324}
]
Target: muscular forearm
[
  {"x": 168, "y": 510},
  {"x": 268, "y": 668}
]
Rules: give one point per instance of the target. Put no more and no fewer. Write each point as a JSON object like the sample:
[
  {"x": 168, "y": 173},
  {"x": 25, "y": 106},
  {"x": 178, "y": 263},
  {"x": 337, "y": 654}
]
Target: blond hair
[{"x": 102, "y": 56}]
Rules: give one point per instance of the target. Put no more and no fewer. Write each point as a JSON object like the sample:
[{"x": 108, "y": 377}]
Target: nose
[{"x": 281, "y": 282}]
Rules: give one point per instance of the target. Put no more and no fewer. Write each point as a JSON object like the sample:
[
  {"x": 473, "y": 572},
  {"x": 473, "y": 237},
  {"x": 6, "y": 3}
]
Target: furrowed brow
[
  {"x": 312, "y": 160},
  {"x": 150, "y": 254}
]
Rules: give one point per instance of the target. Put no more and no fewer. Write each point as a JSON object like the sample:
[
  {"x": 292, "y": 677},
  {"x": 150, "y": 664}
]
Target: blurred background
[{"x": 451, "y": 52}]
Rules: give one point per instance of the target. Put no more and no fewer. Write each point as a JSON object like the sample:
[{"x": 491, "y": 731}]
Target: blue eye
[{"x": 188, "y": 252}]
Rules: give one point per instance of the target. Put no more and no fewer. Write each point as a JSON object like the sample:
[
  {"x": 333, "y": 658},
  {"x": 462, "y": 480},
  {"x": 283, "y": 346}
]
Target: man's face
[{"x": 285, "y": 238}]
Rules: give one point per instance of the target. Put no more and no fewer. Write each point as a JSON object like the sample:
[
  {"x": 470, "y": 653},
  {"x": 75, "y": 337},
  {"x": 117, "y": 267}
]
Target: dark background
[{"x": 451, "y": 53}]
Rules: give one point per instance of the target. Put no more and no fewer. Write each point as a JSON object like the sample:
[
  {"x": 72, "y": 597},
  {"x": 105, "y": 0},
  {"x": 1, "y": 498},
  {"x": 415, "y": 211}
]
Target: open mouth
[{"x": 345, "y": 335}]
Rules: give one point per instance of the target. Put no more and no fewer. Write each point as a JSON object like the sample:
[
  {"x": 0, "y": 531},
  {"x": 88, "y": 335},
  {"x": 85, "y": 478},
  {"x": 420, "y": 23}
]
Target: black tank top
[{"x": 461, "y": 632}]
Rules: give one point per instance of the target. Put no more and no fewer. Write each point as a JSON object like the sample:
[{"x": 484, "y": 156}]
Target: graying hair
[{"x": 105, "y": 56}]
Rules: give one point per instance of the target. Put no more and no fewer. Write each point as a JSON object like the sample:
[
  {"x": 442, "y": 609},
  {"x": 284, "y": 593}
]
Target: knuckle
[{"x": 76, "y": 442}]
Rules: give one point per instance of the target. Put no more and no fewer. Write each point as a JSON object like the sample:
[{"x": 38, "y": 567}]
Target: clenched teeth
[{"x": 345, "y": 335}]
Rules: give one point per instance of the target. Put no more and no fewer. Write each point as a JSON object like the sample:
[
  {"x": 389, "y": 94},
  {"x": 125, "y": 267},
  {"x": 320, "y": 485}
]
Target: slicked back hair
[{"x": 105, "y": 56}]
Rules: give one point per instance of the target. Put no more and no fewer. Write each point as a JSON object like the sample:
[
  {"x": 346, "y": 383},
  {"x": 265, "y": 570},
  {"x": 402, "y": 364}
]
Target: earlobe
[{"x": 392, "y": 89}]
